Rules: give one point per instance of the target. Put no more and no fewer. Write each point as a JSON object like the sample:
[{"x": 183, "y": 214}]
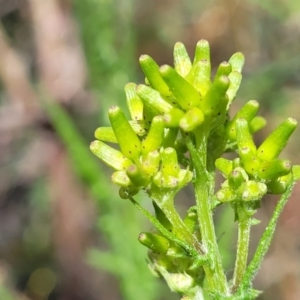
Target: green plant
[{"x": 179, "y": 129}]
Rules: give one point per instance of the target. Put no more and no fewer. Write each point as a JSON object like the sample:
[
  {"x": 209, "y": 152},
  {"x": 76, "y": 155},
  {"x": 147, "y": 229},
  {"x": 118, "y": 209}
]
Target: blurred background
[{"x": 64, "y": 233}]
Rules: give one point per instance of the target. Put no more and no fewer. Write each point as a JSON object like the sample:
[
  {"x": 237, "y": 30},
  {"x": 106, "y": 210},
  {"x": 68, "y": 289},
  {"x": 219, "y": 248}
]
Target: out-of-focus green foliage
[{"x": 108, "y": 39}]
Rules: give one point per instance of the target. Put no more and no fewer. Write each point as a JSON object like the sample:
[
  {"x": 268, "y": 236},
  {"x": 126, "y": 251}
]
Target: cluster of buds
[
  {"x": 173, "y": 103},
  {"x": 175, "y": 107},
  {"x": 168, "y": 259},
  {"x": 256, "y": 171}
]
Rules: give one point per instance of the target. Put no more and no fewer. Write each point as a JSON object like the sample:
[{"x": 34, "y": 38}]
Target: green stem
[
  {"x": 242, "y": 253},
  {"x": 203, "y": 190},
  {"x": 264, "y": 242},
  {"x": 181, "y": 229}
]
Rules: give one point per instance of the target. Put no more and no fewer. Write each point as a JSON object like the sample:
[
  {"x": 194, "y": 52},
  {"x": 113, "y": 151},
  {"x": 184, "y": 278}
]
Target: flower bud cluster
[
  {"x": 147, "y": 156},
  {"x": 169, "y": 260},
  {"x": 175, "y": 110},
  {"x": 257, "y": 171},
  {"x": 172, "y": 103}
]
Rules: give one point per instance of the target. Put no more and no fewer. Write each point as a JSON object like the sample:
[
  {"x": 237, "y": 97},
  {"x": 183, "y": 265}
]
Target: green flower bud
[
  {"x": 126, "y": 192},
  {"x": 199, "y": 76},
  {"x": 184, "y": 177},
  {"x": 136, "y": 176},
  {"x": 150, "y": 164},
  {"x": 202, "y": 51},
  {"x": 182, "y": 61},
  {"x": 247, "y": 112},
  {"x": 235, "y": 79},
  {"x": 224, "y": 69},
  {"x": 226, "y": 194},
  {"x": 105, "y": 134},
  {"x": 177, "y": 252},
  {"x": 277, "y": 140},
  {"x": 279, "y": 185},
  {"x": 191, "y": 120},
  {"x": 213, "y": 97},
  {"x": 151, "y": 71},
  {"x": 149, "y": 113},
  {"x": 173, "y": 118},
  {"x": 224, "y": 166},
  {"x": 110, "y": 156},
  {"x": 138, "y": 128},
  {"x": 273, "y": 169},
  {"x": 168, "y": 182},
  {"x": 237, "y": 61},
  {"x": 236, "y": 162},
  {"x": 129, "y": 142},
  {"x": 153, "y": 99},
  {"x": 120, "y": 178},
  {"x": 220, "y": 115},
  {"x": 170, "y": 137},
  {"x": 236, "y": 178},
  {"x": 169, "y": 164},
  {"x": 249, "y": 161},
  {"x": 257, "y": 123},
  {"x": 155, "y": 136},
  {"x": 186, "y": 95},
  {"x": 134, "y": 102},
  {"x": 155, "y": 242},
  {"x": 252, "y": 190},
  {"x": 243, "y": 136},
  {"x": 163, "y": 180},
  {"x": 178, "y": 282}
]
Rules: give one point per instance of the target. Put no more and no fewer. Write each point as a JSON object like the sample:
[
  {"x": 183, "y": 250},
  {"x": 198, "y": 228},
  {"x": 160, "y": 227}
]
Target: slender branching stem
[
  {"x": 242, "y": 253},
  {"x": 264, "y": 242}
]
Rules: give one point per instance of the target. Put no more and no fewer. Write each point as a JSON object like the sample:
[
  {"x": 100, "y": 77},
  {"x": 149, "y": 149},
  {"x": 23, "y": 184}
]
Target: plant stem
[
  {"x": 264, "y": 242},
  {"x": 181, "y": 229},
  {"x": 203, "y": 188},
  {"x": 242, "y": 253}
]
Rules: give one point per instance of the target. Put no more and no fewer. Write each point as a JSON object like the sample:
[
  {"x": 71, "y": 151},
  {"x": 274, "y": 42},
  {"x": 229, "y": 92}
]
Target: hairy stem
[
  {"x": 203, "y": 190},
  {"x": 242, "y": 253},
  {"x": 265, "y": 241}
]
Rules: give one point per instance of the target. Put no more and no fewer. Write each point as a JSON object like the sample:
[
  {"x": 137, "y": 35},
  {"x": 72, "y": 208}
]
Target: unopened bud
[
  {"x": 155, "y": 136},
  {"x": 182, "y": 61},
  {"x": 129, "y": 142},
  {"x": 273, "y": 169},
  {"x": 155, "y": 242},
  {"x": 191, "y": 120},
  {"x": 186, "y": 95},
  {"x": 277, "y": 140},
  {"x": 110, "y": 156},
  {"x": 151, "y": 71},
  {"x": 153, "y": 99}
]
